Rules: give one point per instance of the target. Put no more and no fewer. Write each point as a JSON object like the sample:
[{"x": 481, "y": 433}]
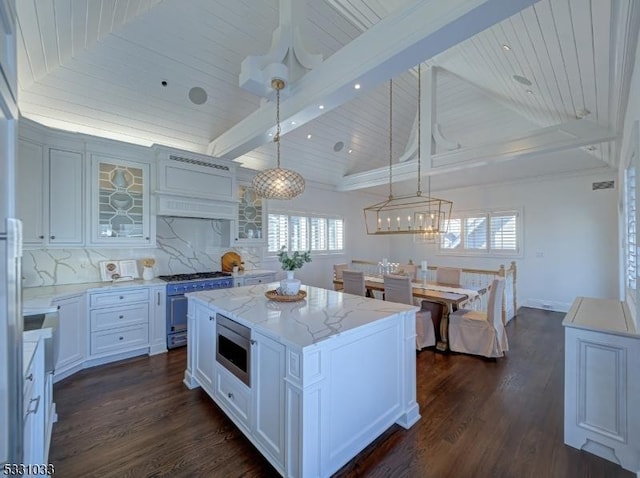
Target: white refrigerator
[
  {"x": 11, "y": 379},
  {"x": 10, "y": 249}
]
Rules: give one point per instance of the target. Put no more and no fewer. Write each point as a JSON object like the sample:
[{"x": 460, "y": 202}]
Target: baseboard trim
[{"x": 547, "y": 305}]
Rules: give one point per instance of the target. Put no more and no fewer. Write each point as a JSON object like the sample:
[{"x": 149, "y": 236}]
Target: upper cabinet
[
  {"x": 251, "y": 220},
  {"x": 119, "y": 202},
  {"x": 50, "y": 195}
]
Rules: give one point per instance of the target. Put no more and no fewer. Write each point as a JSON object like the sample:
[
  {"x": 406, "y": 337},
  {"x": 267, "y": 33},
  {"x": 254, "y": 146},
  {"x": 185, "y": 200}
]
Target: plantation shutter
[
  {"x": 336, "y": 234},
  {"x": 318, "y": 233},
  {"x": 451, "y": 239},
  {"x": 504, "y": 231},
  {"x": 475, "y": 233},
  {"x": 278, "y": 231},
  {"x": 632, "y": 242},
  {"x": 298, "y": 233}
]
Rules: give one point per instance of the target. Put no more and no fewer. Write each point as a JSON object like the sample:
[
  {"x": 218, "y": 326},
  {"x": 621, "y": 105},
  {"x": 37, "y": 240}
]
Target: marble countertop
[
  {"x": 38, "y": 299},
  {"x": 321, "y": 315}
]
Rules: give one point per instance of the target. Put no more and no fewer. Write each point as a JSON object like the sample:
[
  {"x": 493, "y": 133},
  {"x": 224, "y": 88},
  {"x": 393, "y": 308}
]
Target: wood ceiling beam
[
  {"x": 561, "y": 137},
  {"x": 398, "y": 42}
]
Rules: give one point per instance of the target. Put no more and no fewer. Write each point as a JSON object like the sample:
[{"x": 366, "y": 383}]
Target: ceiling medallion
[
  {"x": 278, "y": 183},
  {"x": 413, "y": 214}
]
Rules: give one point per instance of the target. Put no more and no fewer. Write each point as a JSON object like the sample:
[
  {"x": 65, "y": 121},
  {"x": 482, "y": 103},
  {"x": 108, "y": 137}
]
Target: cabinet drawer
[
  {"x": 104, "y": 319},
  {"x": 234, "y": 394},
  {"x": 105, "y": 299},
  {"x": 259, "y": 280},
  {"x": 116, "y": 339}
]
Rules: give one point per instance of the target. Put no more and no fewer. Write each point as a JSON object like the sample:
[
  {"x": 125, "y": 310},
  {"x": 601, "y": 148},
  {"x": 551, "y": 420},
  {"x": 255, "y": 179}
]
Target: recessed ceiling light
[
  {"x": 309, "y": 136},
  {"x": 321, "y": 107},
  {"x": 506, "y": 47},
  {"x": 338, "y": 146},
  {"x": 350, "y": 151},
  {"x": 357, "y": 86},
  {"x": 270, "y": 134},
  {"x": 522, "y": 80},
  {"x": 293, "y": 122},
  {"x": 530, "y": 92}
]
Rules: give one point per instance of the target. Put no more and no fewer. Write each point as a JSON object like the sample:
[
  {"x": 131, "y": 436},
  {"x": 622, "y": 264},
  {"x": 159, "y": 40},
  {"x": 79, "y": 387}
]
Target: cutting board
[{"x": 227, "y": 260}]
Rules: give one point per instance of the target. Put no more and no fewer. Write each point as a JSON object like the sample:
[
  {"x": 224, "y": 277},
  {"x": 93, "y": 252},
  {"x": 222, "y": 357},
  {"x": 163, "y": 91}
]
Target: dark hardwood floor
[{"x": 480, "y": 418}]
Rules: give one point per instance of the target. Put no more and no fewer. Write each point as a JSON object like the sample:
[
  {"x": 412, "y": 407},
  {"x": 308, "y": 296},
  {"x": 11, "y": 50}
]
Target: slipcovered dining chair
[
  {"x": 448, "y": 275},
  {"x": 337, "y": 273},
  {"x": 353, "y": 282},
  {"x": 480, "y": 333},
  {"x": 399, "y": 289},
  {"x": 408, "y": 270}
]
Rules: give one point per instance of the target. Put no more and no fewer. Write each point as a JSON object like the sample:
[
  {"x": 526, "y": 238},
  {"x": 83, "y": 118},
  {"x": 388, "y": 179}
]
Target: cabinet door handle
[
  {"x": 30, "y": 377},
  {"x": 253, "y": 342},
  {"x": 52, "y": 237},
  {"x": 35, "y": 410},
  {"x": 121, "y": 316},
  {"x": 121, "y": 297},
  {"x": 230, "y": 395},
  {"x": 121, "y": 338},
  {"x": 41, "y": 236},
  {"x": 147, "y": 238},
  {"x": 158, "y": 298},
  {"x": 211, "y": 317}
]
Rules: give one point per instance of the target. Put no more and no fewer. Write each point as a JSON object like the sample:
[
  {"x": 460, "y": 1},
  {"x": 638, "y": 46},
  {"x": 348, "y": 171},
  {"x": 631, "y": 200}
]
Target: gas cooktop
[{"x": 194, "y": 276}]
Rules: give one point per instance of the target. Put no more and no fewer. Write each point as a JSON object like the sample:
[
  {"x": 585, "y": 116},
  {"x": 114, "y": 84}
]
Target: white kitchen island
[{"x": 328, "y": 374}]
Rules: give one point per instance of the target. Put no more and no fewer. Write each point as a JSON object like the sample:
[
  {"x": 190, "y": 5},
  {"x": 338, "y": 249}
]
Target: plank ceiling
[{"x": 97, "y": 67}]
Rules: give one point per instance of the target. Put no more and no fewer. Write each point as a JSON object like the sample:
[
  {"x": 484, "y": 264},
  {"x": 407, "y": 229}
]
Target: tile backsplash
[{"x": 182, "y": 245}]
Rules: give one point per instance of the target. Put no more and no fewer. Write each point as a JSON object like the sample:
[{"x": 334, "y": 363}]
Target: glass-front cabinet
[
  {"x": 250, "y": 226},
  {"x": 120, "y": 196}
]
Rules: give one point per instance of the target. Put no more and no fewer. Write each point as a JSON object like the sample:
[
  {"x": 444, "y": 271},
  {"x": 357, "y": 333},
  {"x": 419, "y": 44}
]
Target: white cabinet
[
  {"x": 204, "y": 347},
  {"x": 34, "y": 452},
  {"x": 254, "y": 278},
  {"x": 602, "y": 384},
  {"x": 120, "y": 213},
  {"x": 72, "y": 336},
  {"x": 268, "y": 371},
  {"x": 50, "y": 195},
  {"x": 119, "y": 321},
  {"x": 252, "y": 217},
  {"x": 157, "y": 320}
]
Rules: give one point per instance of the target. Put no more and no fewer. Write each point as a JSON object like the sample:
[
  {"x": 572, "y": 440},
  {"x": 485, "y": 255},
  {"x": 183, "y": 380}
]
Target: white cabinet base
[{"x": 602, "y": 385}]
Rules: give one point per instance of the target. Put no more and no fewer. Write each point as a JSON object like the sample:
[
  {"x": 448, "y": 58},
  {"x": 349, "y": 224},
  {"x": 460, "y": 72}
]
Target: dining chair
[
  {"x": 480, "y": 333},
  {"x": 448, "y": 275},
  {"x": 408, "y": 270},
  {"x": 337, "y": 273},
  {"x": 353, "y": 282},
  {"x": 399, "y": 289}
]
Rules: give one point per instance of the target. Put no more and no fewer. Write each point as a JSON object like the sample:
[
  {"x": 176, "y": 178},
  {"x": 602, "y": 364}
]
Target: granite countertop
[
  {"x": 321, "y": 315},
  {"x": 38, "y": 299}
]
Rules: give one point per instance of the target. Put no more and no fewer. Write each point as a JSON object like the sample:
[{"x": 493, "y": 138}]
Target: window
[
  {"x": 487, "y": 233},
  {"x": 631, "y": 233},
  {"x": 302, "y": 233}
]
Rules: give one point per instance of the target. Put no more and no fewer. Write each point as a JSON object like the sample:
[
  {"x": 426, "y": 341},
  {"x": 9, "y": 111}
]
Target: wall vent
[
  {"x": 603, "y": 185},
  {"x": 182, "y": 159}
]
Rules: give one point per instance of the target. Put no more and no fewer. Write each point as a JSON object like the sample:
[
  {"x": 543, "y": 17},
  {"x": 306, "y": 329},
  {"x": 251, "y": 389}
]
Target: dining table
[{"x": 450, "y": 297}]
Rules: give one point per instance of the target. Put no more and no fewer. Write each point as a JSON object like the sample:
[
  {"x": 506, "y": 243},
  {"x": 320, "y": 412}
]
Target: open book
[{"x": 119, "y": 270}]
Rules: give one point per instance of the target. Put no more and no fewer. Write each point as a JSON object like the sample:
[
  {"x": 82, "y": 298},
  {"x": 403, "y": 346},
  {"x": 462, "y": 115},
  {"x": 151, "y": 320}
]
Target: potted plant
[{"x": 289, "y": 263}]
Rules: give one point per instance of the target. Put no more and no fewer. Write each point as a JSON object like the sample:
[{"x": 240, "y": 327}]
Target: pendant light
[
  {"x": 412, "y": 214},
  {"x": 278, "y": 183}
]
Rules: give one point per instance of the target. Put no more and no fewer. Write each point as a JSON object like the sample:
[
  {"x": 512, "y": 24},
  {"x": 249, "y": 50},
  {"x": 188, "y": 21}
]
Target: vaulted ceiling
[{"x": 98, "y": 67}]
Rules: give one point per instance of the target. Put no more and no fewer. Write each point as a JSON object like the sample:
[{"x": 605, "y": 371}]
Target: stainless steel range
[{"x": 180, "y": 284}]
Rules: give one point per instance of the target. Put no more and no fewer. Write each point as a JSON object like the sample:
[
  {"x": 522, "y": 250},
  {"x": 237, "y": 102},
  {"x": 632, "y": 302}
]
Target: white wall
[
  {"x": 574, "y": 228},
  {"x": 320, "y": 200}
]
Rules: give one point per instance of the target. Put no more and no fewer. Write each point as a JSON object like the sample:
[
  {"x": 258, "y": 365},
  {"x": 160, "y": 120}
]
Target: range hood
[{"x": 195, "y": 185}]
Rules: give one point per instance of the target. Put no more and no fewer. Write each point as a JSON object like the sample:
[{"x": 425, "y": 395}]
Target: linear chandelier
[
  {"x": 411, "y": 214},
  {"x": 278, "y": 183}
]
